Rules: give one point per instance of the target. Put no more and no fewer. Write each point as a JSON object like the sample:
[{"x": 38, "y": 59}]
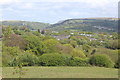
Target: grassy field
[{"x": 62, "y": 72}]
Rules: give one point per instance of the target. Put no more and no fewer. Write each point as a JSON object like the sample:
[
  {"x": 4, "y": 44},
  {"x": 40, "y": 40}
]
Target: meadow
[{"x": 62, "y": 72}]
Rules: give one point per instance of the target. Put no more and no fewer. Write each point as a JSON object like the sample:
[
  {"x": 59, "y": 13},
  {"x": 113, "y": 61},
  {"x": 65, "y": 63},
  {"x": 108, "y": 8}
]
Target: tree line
[{"x": 31, "y": 48}]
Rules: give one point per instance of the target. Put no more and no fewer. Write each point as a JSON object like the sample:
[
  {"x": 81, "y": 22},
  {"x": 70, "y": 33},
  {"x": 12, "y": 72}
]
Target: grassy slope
[
  {"x": 87, "y": 24},
  {"x": 29, "y": 24},
  {"x": 63, "y": 72}
]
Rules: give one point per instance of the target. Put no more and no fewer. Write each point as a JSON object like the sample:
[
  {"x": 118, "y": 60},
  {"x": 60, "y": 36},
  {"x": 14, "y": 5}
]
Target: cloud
[
  {"x": 75, "y": 13},
  {"x": 28, "y": 5},
  {"x": 7, "y": 2},
  {"x": 91, "y": 3},
  {"x": 52, "y": 10}
]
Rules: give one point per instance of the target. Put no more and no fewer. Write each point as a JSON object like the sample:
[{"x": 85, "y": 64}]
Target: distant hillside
[
  {"x": 82, "y": 24},
  {"x": 88, "y": 24},
  {"x": 30, "y": 25}
]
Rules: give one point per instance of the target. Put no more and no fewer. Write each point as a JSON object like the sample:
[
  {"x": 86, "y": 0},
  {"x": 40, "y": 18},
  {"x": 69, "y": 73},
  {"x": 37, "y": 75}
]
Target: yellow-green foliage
[
  {"x": 77, "y": 61},
  {"x": 34, "y": 43},
  {"x": 26, "y": 59},
  {"x": 7, "y": 31},
  {"x": 50, "y": 44},
  {"x": 8, "y": 53},
  {"x": 101, "y": 60},
  {"x": 53, "y": 59},
  {"x": 78, "y": 53},
  {"x": 64, "y": 49},
  {"x": 113, "y": 54}
]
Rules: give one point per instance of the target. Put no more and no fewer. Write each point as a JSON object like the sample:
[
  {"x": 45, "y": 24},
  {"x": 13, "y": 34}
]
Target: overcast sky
[{"x": 52, "y": 11}]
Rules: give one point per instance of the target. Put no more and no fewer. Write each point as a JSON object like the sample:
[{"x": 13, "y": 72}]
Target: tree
[
  {"x": 76, "y": 61},
  {"x": 64, "y": 49},
  {"x": 8, "y": 53},
  {"x": 87, "y": 49},
  {"x": 79, "y": 39},
  {"x": 113, "y": 44},
  {"x": 15, "y": 40},
  {"x": 117, "y": 64},
  {"x": 34, "y": 44},
  {"x": 26, "y": 59},
  {"x": 43, "y": 32},
  {"x": 7, "y": 31},
  {"x": 115, "y": 35},
  {"x": 50, "y": 44},
  {"x": 73, "y": 43},
  {"x": 53, "y": 59},
  {"x": 101, "y": 60},
  {"x": 78, "y": 53}
]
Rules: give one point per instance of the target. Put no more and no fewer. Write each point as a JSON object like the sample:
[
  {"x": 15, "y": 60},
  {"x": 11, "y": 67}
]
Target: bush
[
  {"x": 15, "y": 41},
  {"x": 113, "y": 54},
  {"x": 113, "y": 44},
  {"x": 50, "y": 45},
  {"x": 101, "y": 60},
  {"x": 78, "y": 53},
  {"x": 61, "y": 60},
  {"x": 8, "y": 53},
  {"x": 78, "y": 62},
  {"x": 27, "y": 59},
  {"x": 52, "y": 60},
  {"x": 66, "y": 48},
  {"x": 117, "y": 64},
  {"x": 34, "y": 44}
]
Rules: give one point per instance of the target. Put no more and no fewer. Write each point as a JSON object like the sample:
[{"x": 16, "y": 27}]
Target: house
[
  {"x": 60, "y": 37},
  {"x": 88, "y": 35},
  {"x": 54, "y": 32},
  {"x": 91, "y": 39}
]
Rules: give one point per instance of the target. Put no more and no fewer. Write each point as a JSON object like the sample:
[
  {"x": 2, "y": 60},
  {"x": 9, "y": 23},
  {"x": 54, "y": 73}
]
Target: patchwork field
[{"x": 61, "y": 72}]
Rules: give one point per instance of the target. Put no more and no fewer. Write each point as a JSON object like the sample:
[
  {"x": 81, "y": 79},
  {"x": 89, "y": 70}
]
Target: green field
[{"x": 62, "y": 72}]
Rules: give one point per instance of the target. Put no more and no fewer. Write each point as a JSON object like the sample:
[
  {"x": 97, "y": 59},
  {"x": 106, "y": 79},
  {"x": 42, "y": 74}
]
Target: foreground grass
[{"x": 62, "y": 72}]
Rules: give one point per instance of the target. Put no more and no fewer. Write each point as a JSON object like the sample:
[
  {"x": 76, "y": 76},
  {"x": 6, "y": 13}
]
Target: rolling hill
[
  {"x": 82, "y": 24},
  {"x": 28, "y": 24},
  {"x": 88, "y": 24}
]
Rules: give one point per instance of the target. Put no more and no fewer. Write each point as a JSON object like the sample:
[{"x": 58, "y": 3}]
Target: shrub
[
  {"x": 34, "y": 43},
  {"x": 17, "y": 32},
  {"x": 78, "y": 62},
  {"x": 61, "y": 60},
  {"x": 27, "y": 59},
  {"x": 50, "y": 45},
  {"x": 113, "y": 54},
  {"x": 77, "y": 53},
  {"x": 66, "y": 48},
  {"x": 15, "y": 41},
  {"x": 8, "y": 53},
  {"x": 52, "y": 60},
  {"x": 87, "y": 49},
  {"x": 113, "y": 44},
  {"x": 117, "y": 63},
  {"x": 7, "y": 31},
  {"x": 101, "y": 60}
]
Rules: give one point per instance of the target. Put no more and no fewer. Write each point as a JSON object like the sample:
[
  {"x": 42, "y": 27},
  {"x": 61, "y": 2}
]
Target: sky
[{"x": 52, "y": 11}]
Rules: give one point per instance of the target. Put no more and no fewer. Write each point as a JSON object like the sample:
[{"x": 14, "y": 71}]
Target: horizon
[{"x": 67, "y": 19}]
